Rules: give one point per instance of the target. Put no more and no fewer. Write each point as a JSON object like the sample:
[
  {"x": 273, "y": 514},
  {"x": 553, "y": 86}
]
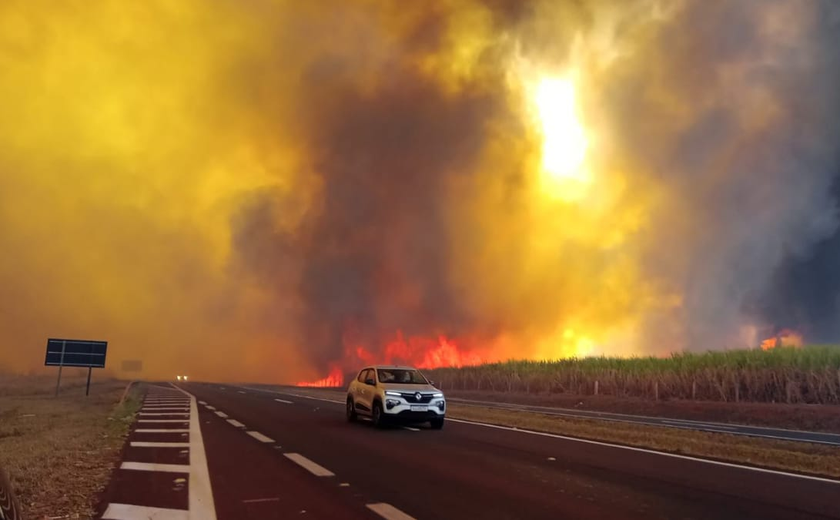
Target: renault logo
[{"x": 417, "y": 396}]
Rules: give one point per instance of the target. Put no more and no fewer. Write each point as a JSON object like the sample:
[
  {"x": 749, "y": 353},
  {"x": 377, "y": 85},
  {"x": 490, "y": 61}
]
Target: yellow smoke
[{"x": 164, "y": 165}]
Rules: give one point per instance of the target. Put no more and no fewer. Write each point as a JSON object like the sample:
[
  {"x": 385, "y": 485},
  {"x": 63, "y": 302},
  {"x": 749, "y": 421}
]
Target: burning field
[{"x": 283, "y": 191}]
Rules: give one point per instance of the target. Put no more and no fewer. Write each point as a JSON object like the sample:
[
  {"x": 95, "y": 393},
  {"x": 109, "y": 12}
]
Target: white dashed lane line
[
  {"x": 223, "y": 415},
  {"x": 236, "y": 423},
  {"x": 241, "y": 392},
  {"x": 260, "y": 437},
  {"x": 313, "y": 467},
  {"x": 388, "y": 511},
  {"x": 284, "y": 401}
]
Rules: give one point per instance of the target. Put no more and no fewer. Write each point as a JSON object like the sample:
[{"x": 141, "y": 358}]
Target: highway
[
  {"x": 281, "y": 454},
  {"x": 243, "y": 453}
]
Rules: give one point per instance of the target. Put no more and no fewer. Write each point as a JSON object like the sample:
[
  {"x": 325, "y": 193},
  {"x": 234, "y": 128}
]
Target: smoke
[{"x": 240, "y": 190}]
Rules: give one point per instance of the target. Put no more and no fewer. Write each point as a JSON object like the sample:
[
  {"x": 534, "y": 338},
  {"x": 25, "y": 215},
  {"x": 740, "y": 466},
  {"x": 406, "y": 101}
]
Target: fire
[
  {"x": 428, "y": 353},
  {"x": 564, "y": 143},
  {"x": 785, "y": 338},
  {"x": 418, "y": 351},
  {"x": 334, "y": 379}
]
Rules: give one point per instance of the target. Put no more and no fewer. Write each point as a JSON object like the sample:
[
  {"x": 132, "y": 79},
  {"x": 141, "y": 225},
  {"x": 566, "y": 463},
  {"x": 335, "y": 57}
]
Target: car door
[{"x": 364, "y": 392}]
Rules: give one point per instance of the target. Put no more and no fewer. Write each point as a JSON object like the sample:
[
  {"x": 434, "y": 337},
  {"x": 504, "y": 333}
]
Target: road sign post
[
  {"x": 60, "y": 364},
  {"x": 75, "y": 353}
]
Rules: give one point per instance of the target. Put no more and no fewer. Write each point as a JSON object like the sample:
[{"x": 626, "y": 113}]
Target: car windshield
[{"x": 401, "y": 376}]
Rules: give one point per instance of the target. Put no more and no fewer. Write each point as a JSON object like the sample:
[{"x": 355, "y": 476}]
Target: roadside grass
[
  {"x": 59, "y": 452},
  {"x": 797, "y": 457}
]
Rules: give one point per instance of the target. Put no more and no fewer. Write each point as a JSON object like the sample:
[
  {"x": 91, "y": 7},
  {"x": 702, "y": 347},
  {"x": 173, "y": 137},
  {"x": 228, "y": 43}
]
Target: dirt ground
[
  {"x": 824, "y": 418},
  {"x": 59, "y": 452}
]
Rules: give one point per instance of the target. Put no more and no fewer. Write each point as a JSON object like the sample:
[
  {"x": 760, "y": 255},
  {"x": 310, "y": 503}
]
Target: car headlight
[
  {"x": 389, "y": 392},
  {"x": 390, "y": 403},
  {"x": 439, "y": 394}
]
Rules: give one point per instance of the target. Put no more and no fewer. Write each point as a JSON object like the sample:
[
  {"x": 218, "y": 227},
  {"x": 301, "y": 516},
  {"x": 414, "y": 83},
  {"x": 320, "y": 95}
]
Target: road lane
[
  {"x": 251, "y": 480},
  {"x": 468, "y": 471}
]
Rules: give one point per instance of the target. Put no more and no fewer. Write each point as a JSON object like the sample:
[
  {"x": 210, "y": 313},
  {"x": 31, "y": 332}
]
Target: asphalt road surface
[
  {"x": 281, "y": 455},
  {"x": 255, "y": 454}
]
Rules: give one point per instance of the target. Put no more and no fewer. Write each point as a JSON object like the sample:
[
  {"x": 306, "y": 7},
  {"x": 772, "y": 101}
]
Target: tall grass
[{"x": 785, "y": 374}]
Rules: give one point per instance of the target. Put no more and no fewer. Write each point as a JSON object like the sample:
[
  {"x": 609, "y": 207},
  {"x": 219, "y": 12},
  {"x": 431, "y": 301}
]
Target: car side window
[
  {"x": 362, "y": 376},
  {"x": 371, "y": 375}
]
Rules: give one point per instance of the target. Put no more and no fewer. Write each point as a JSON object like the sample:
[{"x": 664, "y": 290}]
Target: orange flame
[
  {"x": 418, "y": 351},
  {"x": 334, "y": 379},
  {"x": 785, "y": 338}
]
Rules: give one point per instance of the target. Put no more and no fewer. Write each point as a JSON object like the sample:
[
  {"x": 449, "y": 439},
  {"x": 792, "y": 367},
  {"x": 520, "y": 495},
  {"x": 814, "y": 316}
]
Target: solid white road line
[
  {"x": 236, "y": 423},
  {"x": 260, "y": 437},
  {"x": 388, "y": 511},
  {"x": 312, "y": 467},
  {"x": 200, "y": 492},
  {"x": 258, "y": 500},
  {"x": 164, "y": 420},
  {"x": 161, "y": 430},
  {"x": 284, "y": 401},
  {"x": 146, "y": 466},
  {"x": 163, "y": 409},
  {"x": 653, "y": 452},
  {"x": 409, "y": 428},
  {"x": 159, "y": 414},
  {"x": 143, "y": 444},
  {"x": 129, "y": 512},
  {"x": 241, "y": 392},
  {"x": 223, "y": 415}
]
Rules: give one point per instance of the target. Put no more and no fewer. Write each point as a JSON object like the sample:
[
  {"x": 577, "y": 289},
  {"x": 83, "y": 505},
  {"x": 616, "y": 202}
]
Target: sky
[{"x": 266, "y": 190}]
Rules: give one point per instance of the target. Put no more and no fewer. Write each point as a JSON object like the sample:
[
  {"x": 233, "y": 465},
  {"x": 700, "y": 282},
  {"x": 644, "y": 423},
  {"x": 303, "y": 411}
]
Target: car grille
[{"x": 412, "y": 397}]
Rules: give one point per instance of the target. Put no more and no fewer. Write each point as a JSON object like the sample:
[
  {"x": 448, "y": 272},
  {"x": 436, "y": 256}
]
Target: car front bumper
[{"x": 403, "y": 411}]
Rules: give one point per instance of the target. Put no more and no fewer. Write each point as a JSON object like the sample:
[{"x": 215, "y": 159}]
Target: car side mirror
[{"x": 370, "y": 382}]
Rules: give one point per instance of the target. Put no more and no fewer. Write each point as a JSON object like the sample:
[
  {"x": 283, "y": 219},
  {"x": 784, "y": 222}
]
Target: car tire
[
  {"x": 351, "y": 410},
  {"x": 376, "y": 415},
  {"x": 437, "y": 424}
]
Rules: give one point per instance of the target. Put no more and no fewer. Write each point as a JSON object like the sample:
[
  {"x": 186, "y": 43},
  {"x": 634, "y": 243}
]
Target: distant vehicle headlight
[
  {"x": 179, "y": 377},
  {"x": 185, "y": 378}
]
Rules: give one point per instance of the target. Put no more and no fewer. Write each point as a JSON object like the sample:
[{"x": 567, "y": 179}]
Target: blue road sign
[{"x": 76, "y": 353}]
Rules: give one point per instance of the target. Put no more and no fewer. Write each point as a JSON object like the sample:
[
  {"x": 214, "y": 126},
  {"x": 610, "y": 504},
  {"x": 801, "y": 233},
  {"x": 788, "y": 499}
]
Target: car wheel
[
  {"x": 437, "y": 424},
  {"x": 378, "y": 420},
  {"x": 351, "y": 410}
]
